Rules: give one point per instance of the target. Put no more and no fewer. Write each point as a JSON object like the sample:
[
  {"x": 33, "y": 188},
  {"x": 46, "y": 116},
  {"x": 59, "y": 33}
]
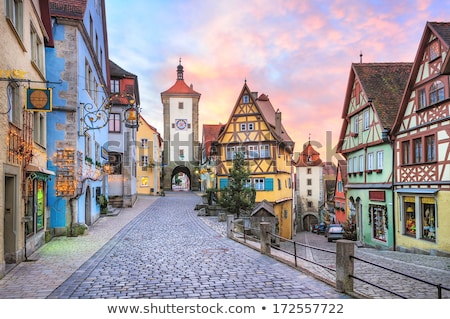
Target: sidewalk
[{"x": 57, "y": 260}]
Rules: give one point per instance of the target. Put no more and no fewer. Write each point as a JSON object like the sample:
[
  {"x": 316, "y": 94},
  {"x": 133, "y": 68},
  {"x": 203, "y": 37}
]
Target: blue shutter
[
  {"x": 223, "y": 183},
  {"x": 268, "y": 184}
]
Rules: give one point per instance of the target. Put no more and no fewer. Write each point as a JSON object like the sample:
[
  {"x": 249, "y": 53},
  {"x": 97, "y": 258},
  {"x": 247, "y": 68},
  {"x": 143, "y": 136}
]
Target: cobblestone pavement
[
  {"x": 162, "y": 250},
  {"x": 433, "y": 269}
]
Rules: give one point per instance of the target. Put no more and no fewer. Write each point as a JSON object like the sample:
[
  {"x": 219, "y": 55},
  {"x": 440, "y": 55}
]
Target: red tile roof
[
  {"x": 308, "y": 157},
  {"x": 180, "y": 87}
]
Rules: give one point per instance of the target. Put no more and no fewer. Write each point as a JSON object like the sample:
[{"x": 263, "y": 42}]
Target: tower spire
[{"x": 180, "y": 71}]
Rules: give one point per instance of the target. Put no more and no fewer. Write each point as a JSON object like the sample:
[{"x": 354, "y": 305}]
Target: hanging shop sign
[{"x": 39, "y": 100}]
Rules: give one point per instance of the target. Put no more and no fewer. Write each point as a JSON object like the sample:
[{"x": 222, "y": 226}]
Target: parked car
[
  {"x": 319, "y": 228},
  {"x": 335, "y": 232}
]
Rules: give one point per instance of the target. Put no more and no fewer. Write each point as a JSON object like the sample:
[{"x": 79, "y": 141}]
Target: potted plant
[{"x": 103, "y": 202}]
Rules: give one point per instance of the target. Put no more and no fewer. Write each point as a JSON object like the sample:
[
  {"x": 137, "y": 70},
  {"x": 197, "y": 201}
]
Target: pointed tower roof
[
  {"x": 180, "y": 87},
  {"x": 308, "y": 157}
]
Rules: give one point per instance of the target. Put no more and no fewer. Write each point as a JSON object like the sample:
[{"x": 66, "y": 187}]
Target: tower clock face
[{"x": 181, "y": 124}]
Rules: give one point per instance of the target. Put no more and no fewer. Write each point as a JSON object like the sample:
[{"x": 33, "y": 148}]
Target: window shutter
[
  {"x": 268, "y": 184},
  {"x": 223, "y": 183}
]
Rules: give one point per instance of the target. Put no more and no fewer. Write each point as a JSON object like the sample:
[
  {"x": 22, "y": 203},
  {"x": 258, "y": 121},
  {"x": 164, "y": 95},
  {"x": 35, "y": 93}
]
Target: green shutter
[
  {"x": 223, "y": 183},
  {"x": 268, "y": 184}
]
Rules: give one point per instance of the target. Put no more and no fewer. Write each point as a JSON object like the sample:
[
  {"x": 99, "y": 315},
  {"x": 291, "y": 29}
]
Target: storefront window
[
  {"x": 428, "y": 217},
  {"x": 40, "y": 205},
  {"x": 410, "y": 215},
  {"x": 379, "y": 221}
]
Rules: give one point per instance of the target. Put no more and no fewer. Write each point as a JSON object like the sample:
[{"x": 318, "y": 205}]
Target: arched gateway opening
[{"x": 181, "y": 179}]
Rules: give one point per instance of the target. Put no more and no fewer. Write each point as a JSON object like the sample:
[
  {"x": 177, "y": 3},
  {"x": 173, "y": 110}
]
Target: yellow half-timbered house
[{"x": 255, "y": 128}]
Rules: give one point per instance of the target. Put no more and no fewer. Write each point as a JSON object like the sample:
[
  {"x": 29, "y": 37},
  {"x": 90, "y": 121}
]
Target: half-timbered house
[
  {"x": 422, "y": 152},
  {"x": 255, "y": 128},
  {"x": 374, "y": 92}
]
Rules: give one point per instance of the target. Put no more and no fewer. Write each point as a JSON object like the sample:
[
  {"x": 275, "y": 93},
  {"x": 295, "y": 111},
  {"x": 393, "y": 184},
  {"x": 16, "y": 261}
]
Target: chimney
[
  {"x": 278, "y": 122},
  {"x": 255, "y": 95}
]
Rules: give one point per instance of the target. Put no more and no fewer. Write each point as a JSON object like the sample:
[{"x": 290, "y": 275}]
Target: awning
[
  {"x": 37, "y": 169},
  {"x": 417, "y": 190}
]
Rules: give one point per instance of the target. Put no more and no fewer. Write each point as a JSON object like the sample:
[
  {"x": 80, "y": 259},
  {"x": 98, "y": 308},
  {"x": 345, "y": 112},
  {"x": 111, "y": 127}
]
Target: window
[
  {"x": 350, "y": 165},
  {"x": 279, "y": 184},
  {"x": 309, "y": 181},
  {"x": 144, "y": 142},
  {"x": 308, "y": 171},
  {"x": 409, "y": 215},
  {"x": 144, "y": 181},
  {"x": 420, "y": 213},
  {"x": 361, "y": 163},
  {"x": 406, "y": 153},
  {"x": 265, "y": 151},
  {"x": 366, "y": 119},
  {"x": 180, "y": 105},
  {"x": 114, "y": 123},
  {"x": 251, "y": 126},
  {"x": 370, "y": 162},
  {"x": 39, "y": 128},
  {"x": 380, "y": 155},
  {"x": 89, "y": 79},
  {"x": 91, "y": 28},
  {"x": 231, "y": 152},
  {"x": 378, "y": 215},
  {"x": 14, "y": 107},
  {"x": 87, "y": 146},
  {"x": 417, "y": 150},
  {"x": 427, "y": 211},
  {"x": 309, "y": 192},
  {"x": 436, "y": 92},
  {"x": 37, "y": 49},
  {"x": 243, "y": 126},
  {"x": 258, "y": 184},
  {"x": 430, "y": 149},
  {"x": 97, "y": 152},
  {"x": 14, "y": 14},
  {"x": 434, "y": 50},
  {"x": 340, "y": 187},
  {"x": 144, "y": 160},
  {"x": 422, "y": 98},
  {"x": 355, "y": 164},
  {"x": 115, "y": 86},
  {"x": 181, "y": 154},
  {"x": 356, "y": 124},
  {"x": 246, "y": 99},
  {"x": 253, "y": 151}
]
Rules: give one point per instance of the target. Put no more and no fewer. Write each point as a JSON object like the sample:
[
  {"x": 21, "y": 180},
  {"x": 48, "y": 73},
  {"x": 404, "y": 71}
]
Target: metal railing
[{"x": 344, "y": 263}]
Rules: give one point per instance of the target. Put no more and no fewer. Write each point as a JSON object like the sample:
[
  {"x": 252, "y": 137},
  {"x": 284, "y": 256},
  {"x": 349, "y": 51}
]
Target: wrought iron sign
[{"x": 94, "y": 116}]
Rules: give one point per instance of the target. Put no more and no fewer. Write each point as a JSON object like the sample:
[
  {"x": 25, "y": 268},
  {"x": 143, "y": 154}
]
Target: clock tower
[{"x": 181, "y": 137}]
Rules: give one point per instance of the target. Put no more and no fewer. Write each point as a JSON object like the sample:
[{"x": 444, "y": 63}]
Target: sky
[{"x": 298, "y": 52}]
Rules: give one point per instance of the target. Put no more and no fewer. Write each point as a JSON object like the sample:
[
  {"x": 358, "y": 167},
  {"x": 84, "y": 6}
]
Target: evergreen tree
[{"x": 238, "y": 195}]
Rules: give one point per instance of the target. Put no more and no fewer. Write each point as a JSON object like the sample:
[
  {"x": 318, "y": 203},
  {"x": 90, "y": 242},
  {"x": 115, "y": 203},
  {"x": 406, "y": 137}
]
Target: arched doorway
[
  {"x": 181, "y": 179},
  {"x": 87, "y": 207},
  {"x": 308, "y": 221}
]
